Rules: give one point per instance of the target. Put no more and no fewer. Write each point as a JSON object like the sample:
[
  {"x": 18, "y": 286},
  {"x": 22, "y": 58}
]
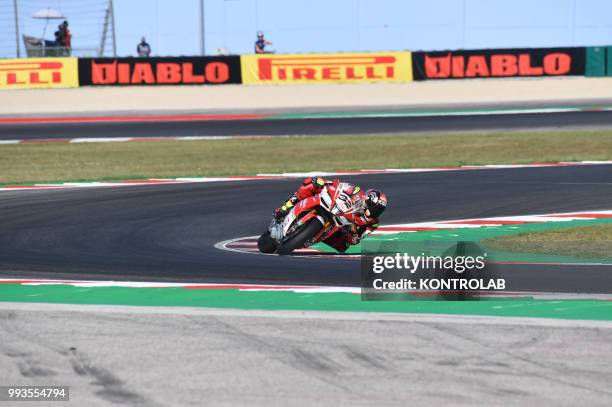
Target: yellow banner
[
  {"x": 326, "y": 68},
  {"x": 31, "y": 73}
]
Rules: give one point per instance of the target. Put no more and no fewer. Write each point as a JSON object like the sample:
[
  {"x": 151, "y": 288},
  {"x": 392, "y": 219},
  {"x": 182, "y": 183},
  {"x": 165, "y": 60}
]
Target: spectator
[
  {"x": 143, "y": 49},
  {"x": 67, "y": 37},
  {"x": 59, "y": 36},
  {"x": 260, "y": 44},
  {"x": 63, "y": 40}
]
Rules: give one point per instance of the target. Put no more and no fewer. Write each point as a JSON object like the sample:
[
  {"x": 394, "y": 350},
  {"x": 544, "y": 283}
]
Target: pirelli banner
[
  {"x": 290, "y": 69},
  {"x": 499, "y": 63},
  {"x": 159, "y": 71},
  {"x": 32, "y": 73}
]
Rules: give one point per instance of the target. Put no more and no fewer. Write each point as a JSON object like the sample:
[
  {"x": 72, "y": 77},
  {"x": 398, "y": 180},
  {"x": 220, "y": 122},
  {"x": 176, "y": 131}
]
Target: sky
[{"x": 172, "y": 26}]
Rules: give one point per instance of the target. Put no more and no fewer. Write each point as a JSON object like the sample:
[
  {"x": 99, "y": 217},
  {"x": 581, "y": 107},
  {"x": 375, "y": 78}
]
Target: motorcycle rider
[{"x": 373, "y": 204}]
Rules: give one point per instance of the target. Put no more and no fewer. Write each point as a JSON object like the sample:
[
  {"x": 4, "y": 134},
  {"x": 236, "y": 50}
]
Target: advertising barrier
[
  {"x": 31, "y": 73},
  {"x": 159, "y": 71},
  {"x": 499, "y": 63},
  {"x": 289, "y": 69}
]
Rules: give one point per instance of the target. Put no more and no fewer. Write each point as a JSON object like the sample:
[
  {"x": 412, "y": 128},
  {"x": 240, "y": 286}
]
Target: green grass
[
  {"x": 27, "y": 163},
  {"x": 589, "y": 242}
]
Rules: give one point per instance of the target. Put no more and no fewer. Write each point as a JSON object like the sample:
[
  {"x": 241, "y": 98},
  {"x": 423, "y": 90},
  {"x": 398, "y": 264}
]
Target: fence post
[{"x": 16, "y": 28}]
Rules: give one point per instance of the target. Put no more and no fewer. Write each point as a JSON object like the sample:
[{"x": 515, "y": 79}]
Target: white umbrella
[{"x": 47, "y": 14}]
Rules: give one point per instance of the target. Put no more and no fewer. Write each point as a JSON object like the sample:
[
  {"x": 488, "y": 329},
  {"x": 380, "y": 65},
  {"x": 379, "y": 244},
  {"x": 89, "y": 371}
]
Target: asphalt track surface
[
  {"x": 274, "y": 127},
  {"x": 168, "y": 232}
]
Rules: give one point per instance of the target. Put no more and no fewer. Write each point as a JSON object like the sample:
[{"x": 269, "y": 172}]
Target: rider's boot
[
  {"x": 281, "y": 212},
  {"x": 338, "y": 241}
]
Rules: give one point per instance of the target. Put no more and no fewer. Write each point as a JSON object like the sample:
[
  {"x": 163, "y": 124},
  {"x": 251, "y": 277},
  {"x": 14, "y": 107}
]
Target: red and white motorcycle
[{"x": 313, "y": 219}]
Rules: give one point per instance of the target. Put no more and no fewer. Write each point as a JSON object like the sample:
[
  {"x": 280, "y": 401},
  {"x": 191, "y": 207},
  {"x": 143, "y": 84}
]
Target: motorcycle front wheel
[
  {"x": 266, "y": 244},
  {"x": 298, "y": 240}
]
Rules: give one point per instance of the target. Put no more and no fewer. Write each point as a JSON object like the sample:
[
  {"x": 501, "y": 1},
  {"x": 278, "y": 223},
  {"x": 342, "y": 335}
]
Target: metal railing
[{"x": 39, "y": 47}]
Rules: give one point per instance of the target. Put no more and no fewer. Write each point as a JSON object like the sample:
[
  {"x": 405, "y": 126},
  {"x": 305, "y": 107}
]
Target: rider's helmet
[{"x": 375, "y": 202}]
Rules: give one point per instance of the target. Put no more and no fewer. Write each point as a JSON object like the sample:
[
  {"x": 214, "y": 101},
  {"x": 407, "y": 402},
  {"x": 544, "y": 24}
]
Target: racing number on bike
[{"x": 344, "y": 202}]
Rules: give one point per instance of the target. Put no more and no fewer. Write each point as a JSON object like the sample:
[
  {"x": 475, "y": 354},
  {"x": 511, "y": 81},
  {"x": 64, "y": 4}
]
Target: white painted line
[
  {"x": 145, "y": 284},
  {"x": 223, "y": 246},
  {"x": 101, "y": 140},
  {"x": 194, "y": 138},
  {"x": 10, "y": 141},
  {"x": 317, "y": 173},
  {"x": 587, "y": 162},
  {"x": 207, "y": 179}
]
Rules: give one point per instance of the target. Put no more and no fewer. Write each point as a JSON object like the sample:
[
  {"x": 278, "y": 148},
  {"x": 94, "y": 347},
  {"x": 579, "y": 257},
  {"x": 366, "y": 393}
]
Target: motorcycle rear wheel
[{"x": 297, "y": 241}]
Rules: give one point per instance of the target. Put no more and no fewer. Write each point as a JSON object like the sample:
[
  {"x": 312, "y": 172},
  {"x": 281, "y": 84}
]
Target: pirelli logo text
[
  {"x": 38, "y": 73},
  {"x": 327, "y": 68}
]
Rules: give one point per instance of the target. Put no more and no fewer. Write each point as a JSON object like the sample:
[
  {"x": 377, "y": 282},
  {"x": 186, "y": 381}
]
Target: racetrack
[
  {"x": 306, "y": 126},
  {"x": 167, "y": 233}
]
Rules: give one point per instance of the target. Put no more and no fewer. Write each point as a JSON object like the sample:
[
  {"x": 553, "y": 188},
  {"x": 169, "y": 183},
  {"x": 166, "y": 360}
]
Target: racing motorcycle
[{"x": 313, "y": 219}]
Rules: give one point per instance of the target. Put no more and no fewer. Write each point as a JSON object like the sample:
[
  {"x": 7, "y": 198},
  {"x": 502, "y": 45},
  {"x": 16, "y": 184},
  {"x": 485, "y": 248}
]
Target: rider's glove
[
  {"x": 318, "y": 183},
  {"x": 278, "y": 214}
]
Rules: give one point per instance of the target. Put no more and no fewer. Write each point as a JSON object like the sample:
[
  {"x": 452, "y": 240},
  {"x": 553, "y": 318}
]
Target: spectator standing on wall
[
  {"x": 67, "y": 37},
  {"x": 143, "y": 49},
  {"x": 260, "y": 44},
  {"x": 59, "y": 36},
  {"x": 63, "y": 39}
]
